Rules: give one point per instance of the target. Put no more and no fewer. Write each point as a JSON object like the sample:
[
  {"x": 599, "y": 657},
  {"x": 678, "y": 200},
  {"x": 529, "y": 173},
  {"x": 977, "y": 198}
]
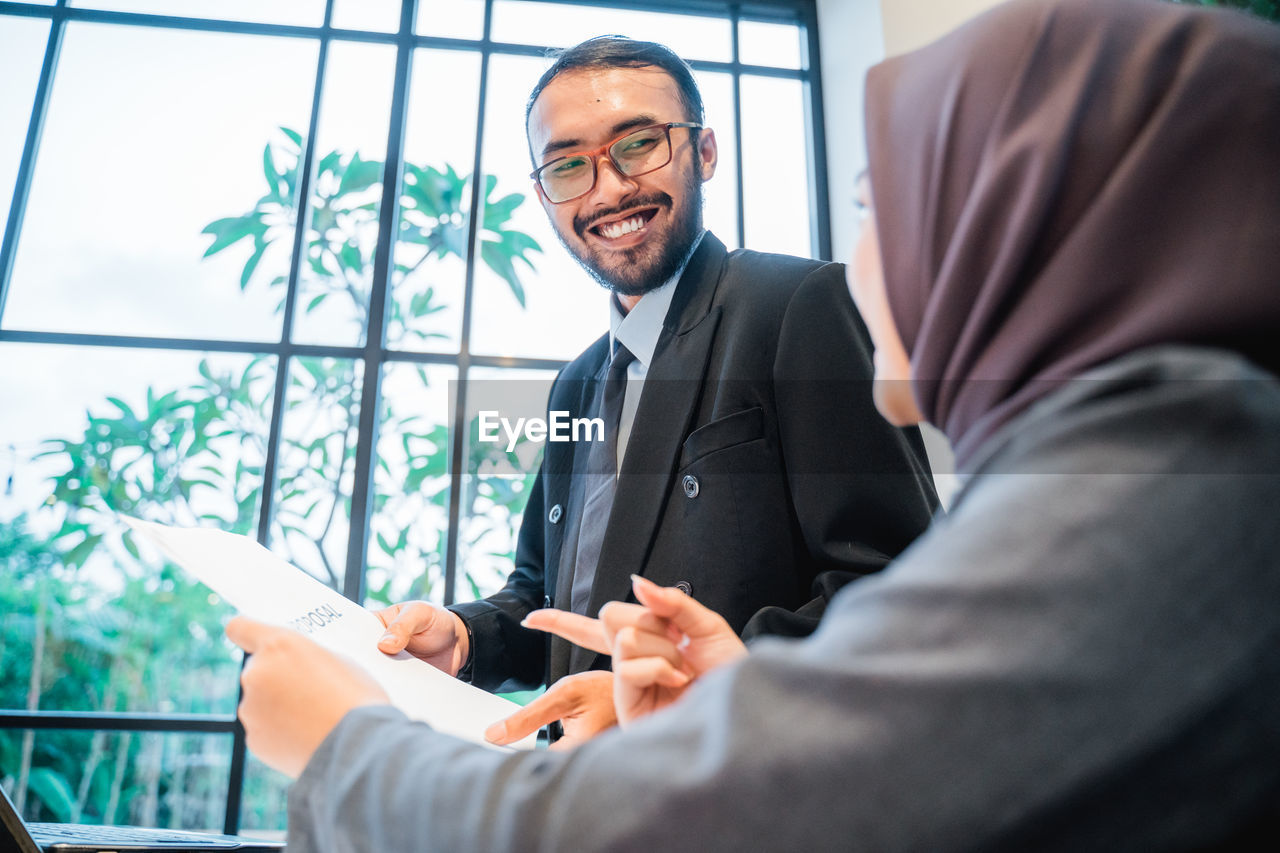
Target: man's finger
[
  {"x": 574, "y": 627},
  {"x": 386, "y": 614},
  {"x": 403, "y": 621},
  {"x": 247, "y": 633},
  {"x": 547, "y": 708}
]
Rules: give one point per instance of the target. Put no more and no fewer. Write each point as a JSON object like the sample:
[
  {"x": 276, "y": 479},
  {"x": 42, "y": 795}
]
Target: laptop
[{"x": 22, "y": 837}]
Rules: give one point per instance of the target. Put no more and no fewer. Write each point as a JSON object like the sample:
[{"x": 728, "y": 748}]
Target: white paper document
[{"x": 265, "y": 587}]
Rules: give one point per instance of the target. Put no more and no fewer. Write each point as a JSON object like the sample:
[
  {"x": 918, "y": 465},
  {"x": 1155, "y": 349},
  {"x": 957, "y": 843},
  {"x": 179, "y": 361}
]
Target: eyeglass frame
[{"x": 594, "y": 156}]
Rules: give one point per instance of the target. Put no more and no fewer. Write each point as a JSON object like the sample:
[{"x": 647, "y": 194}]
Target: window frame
[{"x": 373, "y": 354}]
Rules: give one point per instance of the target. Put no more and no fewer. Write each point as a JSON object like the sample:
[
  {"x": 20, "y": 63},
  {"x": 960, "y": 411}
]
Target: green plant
[
  {"x": 1269, "y": 9},
  {"x": 85, "y": 625}
]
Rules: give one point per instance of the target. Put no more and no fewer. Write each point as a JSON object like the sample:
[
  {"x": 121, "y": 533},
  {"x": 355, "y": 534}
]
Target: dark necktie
[{"x": 601, "y": 481}]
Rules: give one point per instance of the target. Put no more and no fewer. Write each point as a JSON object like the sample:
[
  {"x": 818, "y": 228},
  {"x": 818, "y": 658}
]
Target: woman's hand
[{"x": 659, "y": 646}]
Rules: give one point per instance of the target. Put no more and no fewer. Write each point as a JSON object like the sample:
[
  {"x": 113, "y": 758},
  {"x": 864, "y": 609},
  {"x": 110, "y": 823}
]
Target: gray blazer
[{"x": 1085, "y": 654}]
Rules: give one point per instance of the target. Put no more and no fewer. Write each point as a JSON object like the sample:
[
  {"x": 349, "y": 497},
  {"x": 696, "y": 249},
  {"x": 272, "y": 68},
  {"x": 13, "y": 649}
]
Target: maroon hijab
[{"x": 1060, "y": 182}]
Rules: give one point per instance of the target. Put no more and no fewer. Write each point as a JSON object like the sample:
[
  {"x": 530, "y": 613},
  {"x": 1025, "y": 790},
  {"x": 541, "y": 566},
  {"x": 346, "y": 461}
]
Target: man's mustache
[{"x": 654, "y": 199}]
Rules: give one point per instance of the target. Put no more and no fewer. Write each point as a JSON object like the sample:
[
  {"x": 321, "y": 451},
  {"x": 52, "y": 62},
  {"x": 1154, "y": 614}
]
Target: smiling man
[{"x": 743, "y": 461}]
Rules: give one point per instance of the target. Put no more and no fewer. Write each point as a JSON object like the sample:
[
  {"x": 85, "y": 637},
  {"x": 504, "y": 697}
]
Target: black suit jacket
[{"x": 758, "y": 475}]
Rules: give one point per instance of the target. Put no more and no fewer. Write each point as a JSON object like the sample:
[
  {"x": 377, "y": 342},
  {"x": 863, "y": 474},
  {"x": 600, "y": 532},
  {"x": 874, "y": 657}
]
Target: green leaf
[
  {"x": 250, "y": 265},
  {"x": 52, "y": 789},
  {"x": 228, "y": 231},
  {"x": 329, "y": 163},
  {"x": 77, "y": 555},
  {"x": 292, "y": 134},
  {"x": 498, "y": 212},
  {"x": 360, "y": 175},
  {"x": 387, "y": 547},
  {"x": 500, "y": 262},
  {"x": 272, "y": 173}
]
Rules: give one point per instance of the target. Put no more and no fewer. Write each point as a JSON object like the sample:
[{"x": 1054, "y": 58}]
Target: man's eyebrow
[{"x": 621, "y": 127}]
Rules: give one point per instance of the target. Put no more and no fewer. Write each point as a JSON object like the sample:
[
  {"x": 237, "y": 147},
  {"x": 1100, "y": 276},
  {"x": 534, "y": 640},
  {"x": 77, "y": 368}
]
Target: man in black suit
[{"x": 753, "y": 471}]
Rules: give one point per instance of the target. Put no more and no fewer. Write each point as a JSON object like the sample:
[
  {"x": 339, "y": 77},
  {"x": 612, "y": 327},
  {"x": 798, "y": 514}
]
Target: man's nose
[{"x": 611, "y": 184}]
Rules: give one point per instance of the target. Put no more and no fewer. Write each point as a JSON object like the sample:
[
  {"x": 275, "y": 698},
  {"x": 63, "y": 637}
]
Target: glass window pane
[
  {"x": 151, "y": 158},
  {"x": 439, "y": 150},
  {"x": 499, "y": 475},
  {"x": 554, "y": 25},
  {"x": 311, "y": 521},
  {"x": 460, "y": 19},
  {"x": 377, "y": 15},
  {"x": 408, "y": 532},
  {"x": 769, "y": 44},
  {"x": 175, "y": 437},
  {"x": 264, "y": 801},
  {"x": 22, "y": 46},
  {"x": 305, "y": 13},
  {"x": 563, "y": 309},
  {"x": 775, "y": 166},
  {"x": 351, "y": 146},
  {"x": 720, "y": 194},
  {"x": 176, "y": 780}
]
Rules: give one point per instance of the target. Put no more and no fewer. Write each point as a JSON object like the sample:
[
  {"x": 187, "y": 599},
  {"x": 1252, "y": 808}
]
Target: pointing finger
[
  {"x": 574, "y": 627},
  {"x": 547, "y": 708}
]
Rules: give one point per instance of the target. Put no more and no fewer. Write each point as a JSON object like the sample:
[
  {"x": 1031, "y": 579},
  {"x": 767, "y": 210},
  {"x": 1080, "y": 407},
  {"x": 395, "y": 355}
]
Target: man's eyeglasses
[{"x": 636, "y": 153}]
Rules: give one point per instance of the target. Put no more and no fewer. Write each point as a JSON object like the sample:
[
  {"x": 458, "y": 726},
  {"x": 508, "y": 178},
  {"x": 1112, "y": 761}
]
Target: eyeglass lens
[{"x": 636, "y": 153}]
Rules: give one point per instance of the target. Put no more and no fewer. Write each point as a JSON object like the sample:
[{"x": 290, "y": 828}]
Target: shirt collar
[{"x": 638, "y": 329}]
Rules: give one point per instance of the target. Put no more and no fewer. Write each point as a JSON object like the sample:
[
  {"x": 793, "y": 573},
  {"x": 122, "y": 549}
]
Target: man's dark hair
[{"x": 622, "y": 52}]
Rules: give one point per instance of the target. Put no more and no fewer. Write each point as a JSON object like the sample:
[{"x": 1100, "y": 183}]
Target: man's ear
[
  {"x": 542, "y": 198},
  {"x": 709, "y": 153}
]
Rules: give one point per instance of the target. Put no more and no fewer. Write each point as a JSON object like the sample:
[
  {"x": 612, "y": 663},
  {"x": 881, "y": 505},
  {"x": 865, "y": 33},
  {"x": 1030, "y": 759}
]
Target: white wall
[{"x": 909, "y": 24}]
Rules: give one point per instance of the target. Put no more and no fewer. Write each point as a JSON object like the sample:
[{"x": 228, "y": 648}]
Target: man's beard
[{"x": 636, "y": 271}]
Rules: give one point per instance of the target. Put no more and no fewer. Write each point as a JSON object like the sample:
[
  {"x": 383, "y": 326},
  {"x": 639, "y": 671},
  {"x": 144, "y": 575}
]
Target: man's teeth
[{"x": 614, "y": 230}]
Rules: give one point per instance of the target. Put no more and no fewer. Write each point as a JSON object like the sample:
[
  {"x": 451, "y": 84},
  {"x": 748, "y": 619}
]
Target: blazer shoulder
[
  {"x": 760, "y": 287},
  {"x": 775, "y": 279}
]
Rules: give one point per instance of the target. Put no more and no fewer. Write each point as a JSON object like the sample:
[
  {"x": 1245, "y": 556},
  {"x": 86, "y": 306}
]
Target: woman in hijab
[{"x": 1071, "y": 268}]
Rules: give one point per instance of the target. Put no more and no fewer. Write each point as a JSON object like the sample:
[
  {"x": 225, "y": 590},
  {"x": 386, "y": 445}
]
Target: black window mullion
[
  {"x": 735, "y": 20},
  {"x": 475, "y": 218},
  {"x": 27, "y": 166},
  {"x": 275, "y": 430},
  {"x": 302, "y": 202},
  {"x": 375, "y": 335},
  {"x": 816, "y": 137}
]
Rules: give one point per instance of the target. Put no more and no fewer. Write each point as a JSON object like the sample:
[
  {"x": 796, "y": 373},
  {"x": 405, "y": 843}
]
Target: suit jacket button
[
  {"x": 691, "y": 486},
  {"x": 685, "y": 587},
  {"x": 554, "y": 515}
]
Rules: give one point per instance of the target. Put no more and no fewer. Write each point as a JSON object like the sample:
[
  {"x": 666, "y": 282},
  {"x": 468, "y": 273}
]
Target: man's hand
[
  {"x": 295, "y": 692},
  {"x": 583, "y": 703},
  {"x": 658, "y": 646},
  {"x": 430, "y": 633}
]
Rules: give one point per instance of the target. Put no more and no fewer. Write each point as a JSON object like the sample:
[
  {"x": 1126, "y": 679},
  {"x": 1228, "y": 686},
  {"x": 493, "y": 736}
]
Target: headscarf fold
[{"x": 1060, "y": 182}]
